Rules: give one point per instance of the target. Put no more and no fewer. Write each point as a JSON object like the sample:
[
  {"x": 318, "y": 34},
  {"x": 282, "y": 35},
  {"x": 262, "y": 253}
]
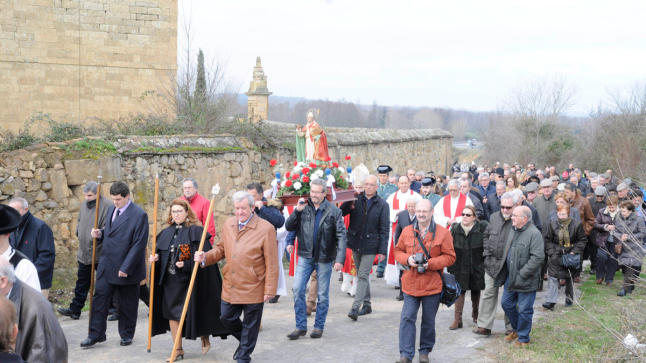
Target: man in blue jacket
[
  {"x": 35, "y": 240},
  {"x": 121, "y": 266}
]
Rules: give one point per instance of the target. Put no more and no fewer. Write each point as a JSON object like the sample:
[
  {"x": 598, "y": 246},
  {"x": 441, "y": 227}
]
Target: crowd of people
[{"x": 502, "y": 226}]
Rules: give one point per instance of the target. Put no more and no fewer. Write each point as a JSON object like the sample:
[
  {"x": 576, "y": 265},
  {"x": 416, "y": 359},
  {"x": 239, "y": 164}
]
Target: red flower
[
  {"x": 288, "y": 183},
  {"x": 295, "y": 163},
  {"x": 341, "y": 176},
  {"x": 328, "y": 158},
  {"x": 305, "y": 170},
  {"x": 272, "y": 162},
  {"x": 347, "y": 157},
  {"x": 306, "y": 179},
  {"x": 313, "y": 165},
  {"x": 335, "y": 164},
  {"x": 295, "y": 176},
  {"x": 287, "y": 174}
]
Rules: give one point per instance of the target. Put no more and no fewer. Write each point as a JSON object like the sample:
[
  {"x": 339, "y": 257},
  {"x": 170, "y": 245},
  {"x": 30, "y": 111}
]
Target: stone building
[
  {"x": 77, "y": 60},
  {"x": 258, "y": 95}
]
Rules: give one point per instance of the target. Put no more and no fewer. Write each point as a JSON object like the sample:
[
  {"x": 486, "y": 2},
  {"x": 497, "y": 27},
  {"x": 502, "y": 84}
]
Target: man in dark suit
[
  {"x": 492, "y": 204},
  {"x": 121, "y": 266},
  {"x": 404, "y": 218}
]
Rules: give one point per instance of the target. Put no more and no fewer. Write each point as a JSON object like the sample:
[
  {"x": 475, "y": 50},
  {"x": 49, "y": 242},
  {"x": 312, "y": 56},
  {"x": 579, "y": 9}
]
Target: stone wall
[
  {"x": 82, "y": 59},
  {"x": 51, "y": 177}
]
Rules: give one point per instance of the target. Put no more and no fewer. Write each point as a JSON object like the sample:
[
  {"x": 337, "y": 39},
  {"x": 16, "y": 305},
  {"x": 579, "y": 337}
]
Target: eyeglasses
[
  {"x": 467, "y": 215},
  {"x": 505, "y": 207}
]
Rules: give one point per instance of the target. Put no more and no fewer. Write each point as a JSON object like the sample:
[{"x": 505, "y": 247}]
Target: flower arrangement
[{"x": 297, "y": 181}]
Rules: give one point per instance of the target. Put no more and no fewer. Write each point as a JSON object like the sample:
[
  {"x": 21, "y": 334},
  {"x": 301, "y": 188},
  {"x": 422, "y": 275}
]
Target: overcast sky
[{"x": 457, "y": 54}]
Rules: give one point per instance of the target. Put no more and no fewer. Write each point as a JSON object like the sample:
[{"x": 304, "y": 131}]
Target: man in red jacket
[{"x": 199, "y": 204}]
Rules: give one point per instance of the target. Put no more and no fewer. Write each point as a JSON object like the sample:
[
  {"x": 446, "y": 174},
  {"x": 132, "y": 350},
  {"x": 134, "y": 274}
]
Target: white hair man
[{"x": 449, "y": 209}]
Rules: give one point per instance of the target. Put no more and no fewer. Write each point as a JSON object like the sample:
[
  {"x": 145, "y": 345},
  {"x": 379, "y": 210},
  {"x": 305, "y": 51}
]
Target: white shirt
[
  {"x": 438, "y": 211},
  {"x": 25, "y": 270}
]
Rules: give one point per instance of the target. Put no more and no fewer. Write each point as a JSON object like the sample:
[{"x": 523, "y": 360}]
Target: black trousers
[
  {"x": 144, "y": 296},
  {"x": 83, "y": 277},
  {"x": 246, "y": 331},
  {"x": 128, "y": 304}
]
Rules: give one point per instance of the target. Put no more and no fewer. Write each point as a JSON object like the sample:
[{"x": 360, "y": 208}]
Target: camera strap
[{"x": 419, "y": 238}]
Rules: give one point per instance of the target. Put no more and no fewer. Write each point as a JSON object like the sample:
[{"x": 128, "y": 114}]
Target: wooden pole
[
  {"x": 151, "y": 282},
  {"x": 96, "y": 225},
  {"x": 178, "y": 336}
]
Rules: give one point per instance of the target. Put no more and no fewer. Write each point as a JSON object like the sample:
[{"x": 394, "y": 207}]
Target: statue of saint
[{"x": 311, "y": 142}]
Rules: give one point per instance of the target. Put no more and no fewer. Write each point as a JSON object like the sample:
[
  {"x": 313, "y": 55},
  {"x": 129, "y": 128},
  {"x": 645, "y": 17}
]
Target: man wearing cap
[
  {"x": 544, "y": 203},
  {"x": 386, "y": 188},
  {"x": 427, "y": 190},
  {"x": 531, "y": 191},
  {"x": 35, "y": 239},
  {"x": 622, "y": 192},
  {"x": 24, "y": 269}
]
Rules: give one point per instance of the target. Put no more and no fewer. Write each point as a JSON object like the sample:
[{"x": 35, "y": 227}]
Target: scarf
[
  {"x": 467, "y": 229},
  {"x": 564, "y": 233}
]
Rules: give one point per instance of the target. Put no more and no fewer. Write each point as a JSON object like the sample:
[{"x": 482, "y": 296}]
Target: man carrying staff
[
  {"x": 121, "y": 266},
  {"x": 84, "y": 255},
  {"x": 251, "y": 274}
]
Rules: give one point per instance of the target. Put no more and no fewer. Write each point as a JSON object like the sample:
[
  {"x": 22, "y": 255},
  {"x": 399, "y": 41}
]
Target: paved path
[{"x": 373, "y": 338}]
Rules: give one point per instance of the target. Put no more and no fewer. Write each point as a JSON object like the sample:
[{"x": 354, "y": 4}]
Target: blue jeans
[
  {"x": 519, "y": 307},
  {"x": 407, "y": 332},
  {"x": 301, "y": 276},
  {"x": 606, "y": 262}
]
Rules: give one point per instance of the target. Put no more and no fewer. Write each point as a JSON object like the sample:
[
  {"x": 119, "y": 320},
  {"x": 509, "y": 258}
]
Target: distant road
[{"x": 463, "y": 144}]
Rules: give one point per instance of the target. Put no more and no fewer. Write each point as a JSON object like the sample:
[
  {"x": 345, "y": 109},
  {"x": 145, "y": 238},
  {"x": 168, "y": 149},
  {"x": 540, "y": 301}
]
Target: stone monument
[{"x": 258, "y": 95}]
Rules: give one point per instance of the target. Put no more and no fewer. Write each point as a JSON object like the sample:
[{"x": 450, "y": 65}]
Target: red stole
[
  {"x": 391, "y": 250},
  {"x": 462, "y": 201}
]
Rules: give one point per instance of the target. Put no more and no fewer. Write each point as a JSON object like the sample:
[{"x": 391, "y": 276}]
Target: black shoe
[
  {"x": 274, "y": 299},
  {"x": 365, "y": 310},
  {"x": 316, "y": 333},
  {"x": 69, "y": 312},
  {"x": 296, "y": 334},
  {"x": 113, "y": 317},
  {"x": 380, "y": 275},
  {"x": 568, "y": 302},
  {"x": 88, "y": 342},
  {"x": 549, "y": 306},
  {"x": 593, "y": 271},
  {"x": 353, "y": 314},
  {"x": 621, "y": 292},
  {"x": 125, "y": 342},
  {"x": 399, "y": 297}
]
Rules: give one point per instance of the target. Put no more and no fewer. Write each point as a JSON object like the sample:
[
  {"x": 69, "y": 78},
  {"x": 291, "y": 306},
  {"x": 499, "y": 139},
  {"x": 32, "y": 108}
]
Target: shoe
[
  {"x": 68, "y": 312},
  {"x": 599, "y": 281},
  {"x": 577, "y": 280},
  {"x": 179, "y": 355},
  {"x": 423, "y": 358},
  {"x": 521, "y": 344},
  {"x": 399, "y": 297},
  {"x": 353, "y": 314},
  {"x": 365, "y": 310},
  {"x": 88, "y": 342},
  {"x": 511, "y": 337},
  {"x": 113, "y": 317},
  {"x": 274, "y": 299},
  {"x": 482, "y": 331},
  {"x": 507, "y": 332},
  {"x": 380, "y": 275},
  {"x": 296, "y": 334},
  {"x": 568, "y": 302},
  {"x": 544, "y": 277},
  {"x": 316, "y": 333},
  {"x": 403, "y": 360},
  {"x": 562, "y": 282},
  {"x": 206, "y": 344},
  {"x": 608, "y": 283},
  {"x": 593, "y": 271},
  {"x": 621, "y": 292},
  {"x": 125, "y": 342},
  {"x": 549, "y": 306}
]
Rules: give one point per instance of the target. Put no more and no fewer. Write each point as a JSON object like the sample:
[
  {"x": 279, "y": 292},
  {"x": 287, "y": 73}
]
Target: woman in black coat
[
  {"x": 468, "y": 237},
  {"x": 564, "y": 235},
  {"x": 173, "y": 260}
]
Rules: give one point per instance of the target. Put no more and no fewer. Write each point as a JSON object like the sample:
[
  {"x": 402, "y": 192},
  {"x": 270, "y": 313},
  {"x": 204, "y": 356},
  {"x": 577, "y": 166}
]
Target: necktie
[
  {"x": 116, "y": 215},
  {"x": 240, "y": 226}
]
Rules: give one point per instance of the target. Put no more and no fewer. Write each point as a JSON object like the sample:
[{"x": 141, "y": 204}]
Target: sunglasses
[
  {"x": 467, "y": 215},
  {"x": 504, "y": 207}
]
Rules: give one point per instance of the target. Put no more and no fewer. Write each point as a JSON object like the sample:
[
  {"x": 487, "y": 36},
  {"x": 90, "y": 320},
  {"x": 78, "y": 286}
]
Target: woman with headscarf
[
  {"x": 630, "y": 232},
  {"x": 564, "y": 236},
  {"x": 173, "y": 260},
  {"x": 605, "y": 225},
  {"x": 468, "y": 237}
]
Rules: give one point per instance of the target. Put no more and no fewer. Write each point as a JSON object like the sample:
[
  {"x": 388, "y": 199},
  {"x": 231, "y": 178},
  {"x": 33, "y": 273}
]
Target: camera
[{"x": 420, "y": 260}]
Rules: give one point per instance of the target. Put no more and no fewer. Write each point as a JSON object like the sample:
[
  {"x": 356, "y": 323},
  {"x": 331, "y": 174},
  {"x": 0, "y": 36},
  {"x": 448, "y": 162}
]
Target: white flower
[
  {"x": 330, "y": 180},
  {"x": 314, "y": 176},
  {"x": 320, "y": 173},
  {"x": 283, "y": 183},
  {"x": 297, "y": 185}
]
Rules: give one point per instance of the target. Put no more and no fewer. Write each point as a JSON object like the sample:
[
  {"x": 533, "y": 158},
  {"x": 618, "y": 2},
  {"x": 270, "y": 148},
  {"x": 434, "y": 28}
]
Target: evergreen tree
[{"x": 200, "y": 82}]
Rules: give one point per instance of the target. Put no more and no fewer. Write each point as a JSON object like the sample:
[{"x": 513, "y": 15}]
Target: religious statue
[{"x": 311, "y": 142}]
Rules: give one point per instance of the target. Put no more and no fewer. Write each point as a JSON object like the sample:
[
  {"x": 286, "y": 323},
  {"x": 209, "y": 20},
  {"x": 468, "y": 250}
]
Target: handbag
[
  {"x": 451, "y": 289},
  {"x": 570, "y": 261}
]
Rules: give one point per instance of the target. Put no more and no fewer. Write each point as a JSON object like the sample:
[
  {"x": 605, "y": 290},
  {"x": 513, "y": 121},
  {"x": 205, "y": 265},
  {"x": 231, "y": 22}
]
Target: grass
[
  {"x": 182, "y": 149},
  {"x": 89, "y": 149},
  {"x": 573, "y": 334}
]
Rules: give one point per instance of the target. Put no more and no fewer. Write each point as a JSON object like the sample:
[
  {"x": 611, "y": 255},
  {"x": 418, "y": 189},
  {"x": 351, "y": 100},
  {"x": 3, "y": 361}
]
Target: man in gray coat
[
  {"x": 524, "y": 255},
  {"x": 84, "y": 255}
]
